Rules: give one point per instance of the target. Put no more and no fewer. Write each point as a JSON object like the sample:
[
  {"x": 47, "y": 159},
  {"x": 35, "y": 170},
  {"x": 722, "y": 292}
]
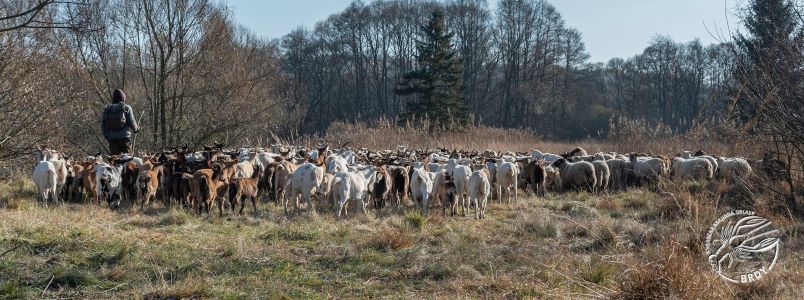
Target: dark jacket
[{"x": 131, "y": 124}]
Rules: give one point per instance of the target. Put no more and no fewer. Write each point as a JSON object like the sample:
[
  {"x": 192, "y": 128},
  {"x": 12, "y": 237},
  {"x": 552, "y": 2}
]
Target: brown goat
[
  {"x": 400, "y": 184},
  {"x": 130, "y": 178},
  {"x": 381, "y": 187},
  {"x": 535, "y": 175},
  {"x": 74, "y": 190},
  {"x": 447, "y": 191},
  {"x": 147, "y": 183},
  {"x": 184, "y": 189},
  {"x": 89, "y": 182},
  {"x": 245, "y": 187},
  {"x": 204, "y": 188}
]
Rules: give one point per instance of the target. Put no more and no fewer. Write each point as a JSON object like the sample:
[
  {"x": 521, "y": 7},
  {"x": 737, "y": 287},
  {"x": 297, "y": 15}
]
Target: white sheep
[
  {"x": 617, "y": 173},
  {"x": 578, "y": 151},
  {"x": 712, "y": 161},
  {"x": 479, "y": 191},
  {"x": 579, "y": 174},
  {"x": 695, "y": 168},
  {"x": 507, "y": 176},
  {"x": 421, "y": 186},
  {"x": 604, "y": 156},
  {"x": 646, "y": 169},
  {"x": 734, "y": 168},
  {"x": 602, "y": 174}
]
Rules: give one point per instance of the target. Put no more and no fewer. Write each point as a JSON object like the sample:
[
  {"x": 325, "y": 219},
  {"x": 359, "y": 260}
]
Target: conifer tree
[{"x": 437, "y": 82}]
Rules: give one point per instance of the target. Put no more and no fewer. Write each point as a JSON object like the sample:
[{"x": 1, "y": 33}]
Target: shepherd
[{"x": 117, "y": 124}]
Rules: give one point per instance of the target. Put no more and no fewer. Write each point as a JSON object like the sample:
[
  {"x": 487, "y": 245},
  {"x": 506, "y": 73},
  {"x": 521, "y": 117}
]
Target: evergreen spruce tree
[
  {"x": 437, "y": 82},
  {"x": 763, "y": 69}
]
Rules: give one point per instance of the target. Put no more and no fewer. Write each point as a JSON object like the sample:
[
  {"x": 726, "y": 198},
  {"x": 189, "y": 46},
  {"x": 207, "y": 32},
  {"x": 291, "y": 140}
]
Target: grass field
[{"x": 635, "y": 244}]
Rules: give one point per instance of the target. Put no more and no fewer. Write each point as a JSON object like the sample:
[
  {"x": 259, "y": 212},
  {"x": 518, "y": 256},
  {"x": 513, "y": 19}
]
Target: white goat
[
  {"x": 460, "y": 176},
  {"x": 45, "y": 176},
  {"x": 548, "y": 157},
  {"x": 246, "y": 165},
  {"x": 336, "y": 163},
  {"x": 348, "y": 186},
  {"x": 421, "y": 186},
  {"x": 306, "y": 180},
  {"x": 507, "y": 176},
  {"x": 479, "y": 191}
]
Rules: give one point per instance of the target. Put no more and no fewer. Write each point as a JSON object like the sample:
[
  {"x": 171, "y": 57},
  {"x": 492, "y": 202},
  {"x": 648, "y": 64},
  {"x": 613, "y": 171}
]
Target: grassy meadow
[
  {"x": 632, "y": 244},
  {"x": 637, "y": 244}
]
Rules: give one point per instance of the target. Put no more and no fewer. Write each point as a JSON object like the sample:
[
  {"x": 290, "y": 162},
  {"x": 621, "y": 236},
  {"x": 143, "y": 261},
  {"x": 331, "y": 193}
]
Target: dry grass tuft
[
  {"x": 387, "y": 239},
  {"x": 610, "y": 204},
  {"x": 675, "y": 275},
  {"x": 189, "y": 288}
]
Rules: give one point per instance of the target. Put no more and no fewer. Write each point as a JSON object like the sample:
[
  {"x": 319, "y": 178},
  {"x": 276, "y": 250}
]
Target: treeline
[
  {"x": 196, "y": 76},
  {"x": 522, "y": 67},
  {"x": 190, "y": 72}
]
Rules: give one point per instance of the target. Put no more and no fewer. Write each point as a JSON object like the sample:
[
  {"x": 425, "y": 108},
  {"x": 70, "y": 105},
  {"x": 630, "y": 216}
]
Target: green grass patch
[
  {"x": 415, "y": 220},
  {"x": 598, "y": 272},
  {"x": 112, "y": 257},
  {"x": 290, "y": 234},
  {"x": 12, "y": 290},
  {"x": 72, "y": 278}
]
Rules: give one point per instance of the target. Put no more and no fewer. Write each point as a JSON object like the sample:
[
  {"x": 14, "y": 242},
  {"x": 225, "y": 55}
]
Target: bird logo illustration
[{"x": 742, "y": 247}]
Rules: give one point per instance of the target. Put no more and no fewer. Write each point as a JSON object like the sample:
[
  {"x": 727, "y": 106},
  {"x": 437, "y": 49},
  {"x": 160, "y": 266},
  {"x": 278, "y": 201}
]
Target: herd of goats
[{"x": 222, "y": 177}]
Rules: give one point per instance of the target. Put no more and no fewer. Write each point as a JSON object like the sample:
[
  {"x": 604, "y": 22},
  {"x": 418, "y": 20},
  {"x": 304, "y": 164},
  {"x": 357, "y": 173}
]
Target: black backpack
[{"x": 114, "y": 117}]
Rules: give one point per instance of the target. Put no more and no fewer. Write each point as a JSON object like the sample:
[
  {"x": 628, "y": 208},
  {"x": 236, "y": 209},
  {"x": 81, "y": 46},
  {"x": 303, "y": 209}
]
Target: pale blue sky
[{"x": 610, "y": 28}]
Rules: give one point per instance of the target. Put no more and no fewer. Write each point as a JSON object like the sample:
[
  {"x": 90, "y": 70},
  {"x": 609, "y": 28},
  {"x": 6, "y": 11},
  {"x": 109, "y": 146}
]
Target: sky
[{"x": 610, "y": 28}]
